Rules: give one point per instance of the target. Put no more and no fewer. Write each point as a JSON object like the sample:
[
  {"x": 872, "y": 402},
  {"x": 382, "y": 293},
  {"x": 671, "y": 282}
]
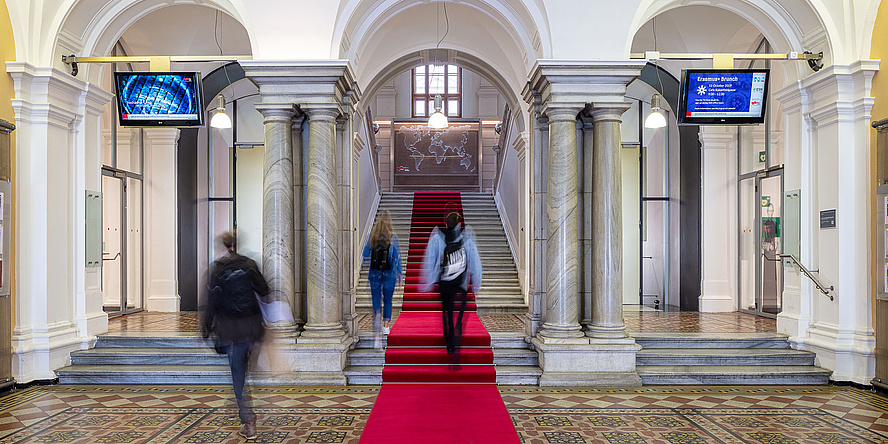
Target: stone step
[
  {"x": 732, "y": 375},
  {"x": 363, "y": 374},
  {"x": 366, "y": 357},
  {"x": 515, "y": 356},
  {"x": 505, "y": 375},
  {"x": 724, "y": 356},
  {"x": 148, "y": 356},
  {"x": 153, "y": 340},
  {"x": 710, "y": 340},
  {"x": 144, "y": 374},
  {"x": 518, "y": 375}
]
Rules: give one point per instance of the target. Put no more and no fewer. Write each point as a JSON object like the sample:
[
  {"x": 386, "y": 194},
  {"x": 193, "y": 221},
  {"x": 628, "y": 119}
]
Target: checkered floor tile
[{"x": 176, "y": 414}]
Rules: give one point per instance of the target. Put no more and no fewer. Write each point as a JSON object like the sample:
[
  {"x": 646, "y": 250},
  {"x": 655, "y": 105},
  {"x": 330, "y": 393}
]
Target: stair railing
[
  {"x": 810, "y": 273},
  {"x": 500, "y": 148}
]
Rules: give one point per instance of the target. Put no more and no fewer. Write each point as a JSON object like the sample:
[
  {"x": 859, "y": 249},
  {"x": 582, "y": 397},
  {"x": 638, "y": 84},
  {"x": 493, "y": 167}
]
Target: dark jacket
[{"x": 232, "y": 313}]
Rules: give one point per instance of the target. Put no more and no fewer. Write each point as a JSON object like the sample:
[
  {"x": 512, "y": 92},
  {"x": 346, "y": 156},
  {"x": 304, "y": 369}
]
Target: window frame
[{"x": 430, "y": 98}]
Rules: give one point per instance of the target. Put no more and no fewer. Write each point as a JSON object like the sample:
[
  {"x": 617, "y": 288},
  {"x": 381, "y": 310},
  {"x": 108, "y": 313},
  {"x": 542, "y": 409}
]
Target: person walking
[
  {"x": 232, "y": 315},
  {"x": 451, "y": 261},
  {"x": 384, "y": 252}
]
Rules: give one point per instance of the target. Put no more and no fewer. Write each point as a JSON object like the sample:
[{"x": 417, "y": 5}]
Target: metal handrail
[{"x": 823, "y": 289}]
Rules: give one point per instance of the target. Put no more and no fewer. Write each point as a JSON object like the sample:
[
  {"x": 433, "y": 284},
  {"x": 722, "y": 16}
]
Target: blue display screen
[
  {"x": 159, "y": 99},
  {"x": 725, "y": 94}
]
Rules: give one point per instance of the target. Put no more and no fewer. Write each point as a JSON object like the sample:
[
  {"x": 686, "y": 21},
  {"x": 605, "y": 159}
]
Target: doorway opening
[{"x": 122, "y": 246}]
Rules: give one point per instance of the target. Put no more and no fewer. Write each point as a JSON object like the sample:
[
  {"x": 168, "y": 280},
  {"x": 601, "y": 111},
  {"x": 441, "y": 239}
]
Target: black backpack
[
  {"x": 453, "y": 262},
  {"x": 233, "y": 289},
  {"x": 379, "y": 258}
]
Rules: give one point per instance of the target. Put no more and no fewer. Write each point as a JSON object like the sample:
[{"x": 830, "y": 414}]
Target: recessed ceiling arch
[{"x": 463, "y": 59}]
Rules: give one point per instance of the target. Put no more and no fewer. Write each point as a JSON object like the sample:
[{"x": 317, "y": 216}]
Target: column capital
[
  {"x": 276, "y": 112},
  {"x": 162, "y": 135},
  {"x": 307, "y": 83},
  {"x": 315, "y": 113},
  {"x": 609, "y": 111},
  {"x": 573, "y": 84}
]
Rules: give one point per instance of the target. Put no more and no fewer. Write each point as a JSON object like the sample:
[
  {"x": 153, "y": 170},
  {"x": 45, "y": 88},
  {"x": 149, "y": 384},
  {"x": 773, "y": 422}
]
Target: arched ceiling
[
  {"x": 681, "y": 30},
  {"x": 377, "y": 33}
]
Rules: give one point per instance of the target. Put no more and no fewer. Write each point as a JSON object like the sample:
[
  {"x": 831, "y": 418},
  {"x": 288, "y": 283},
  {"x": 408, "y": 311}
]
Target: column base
[
  {"x": 587, "y": 361},
  {"x": 603, "y": 332},
  {"x": 554, "y": 331}
]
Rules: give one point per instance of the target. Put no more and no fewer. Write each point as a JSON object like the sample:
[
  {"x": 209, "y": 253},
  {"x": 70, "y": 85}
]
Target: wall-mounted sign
[
  {"x": 886, "y": 210},
  {"x": 763, "y": 157},
  {"x": 828, "y": 218}
]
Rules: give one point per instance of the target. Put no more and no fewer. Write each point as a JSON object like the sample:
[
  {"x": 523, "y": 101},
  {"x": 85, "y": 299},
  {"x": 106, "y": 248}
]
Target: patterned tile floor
[
  {"x": 638, "y": 319},
  {"x": 165, "y": 414}
]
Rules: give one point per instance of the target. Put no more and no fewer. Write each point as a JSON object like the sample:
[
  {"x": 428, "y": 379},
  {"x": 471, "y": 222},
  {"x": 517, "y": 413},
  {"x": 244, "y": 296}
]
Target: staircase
[
  {"x": 726, "y": 359},
  {"x": 149, "y": 358},
  {"x": 500, "y": 291},
  {"x": 515, "y": 362},
  {"x": 400, "y": 205}
]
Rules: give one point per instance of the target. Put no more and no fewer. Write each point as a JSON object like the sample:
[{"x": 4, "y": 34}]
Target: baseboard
[
  {"x": 717, "y": 304},
  {"x": 168, "y": 303}
]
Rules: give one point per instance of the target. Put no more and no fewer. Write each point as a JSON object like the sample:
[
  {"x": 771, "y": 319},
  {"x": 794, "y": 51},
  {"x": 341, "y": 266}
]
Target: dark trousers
[
  {"x": 451, "y": 295},
  {"x": 238, "y": 356}
]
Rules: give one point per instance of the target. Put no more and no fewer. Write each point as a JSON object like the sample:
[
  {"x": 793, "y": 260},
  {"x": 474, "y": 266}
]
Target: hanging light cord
[
  {"x": 656, "y": 65},
  {"x": 224, "y": 68},
  {"x": 446, "y": 29}
]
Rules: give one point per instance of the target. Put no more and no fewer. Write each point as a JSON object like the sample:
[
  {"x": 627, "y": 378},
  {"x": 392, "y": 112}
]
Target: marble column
[
  {"x": 561, "y": 208},
  {"x": 322, "y": 228},
  {"x": 607, "y": 224},
  {"x": 298, "y": 301},
  {"x": 277, "y": 201}
]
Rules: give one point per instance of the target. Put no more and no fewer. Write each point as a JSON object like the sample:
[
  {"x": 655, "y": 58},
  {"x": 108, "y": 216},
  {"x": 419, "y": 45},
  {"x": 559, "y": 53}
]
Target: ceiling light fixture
[
  {"x": 438, "y": 120},
  {"x": 220, "y": 120},
  {"x": 656, "y": 119}
]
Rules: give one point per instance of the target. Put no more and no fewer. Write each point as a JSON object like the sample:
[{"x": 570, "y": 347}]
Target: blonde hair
[{"x": 382, "y": 230}]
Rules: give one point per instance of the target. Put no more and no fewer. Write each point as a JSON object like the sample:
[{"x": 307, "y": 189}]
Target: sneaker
[
  {"x": 386, "y": 330},
  {"x": 248, "y": 430}
]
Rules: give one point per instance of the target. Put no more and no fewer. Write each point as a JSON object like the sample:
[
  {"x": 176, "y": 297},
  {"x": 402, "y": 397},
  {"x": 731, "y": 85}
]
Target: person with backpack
[
  {"x": 384, "y": 252},
  {"x": 452, "y": 261},
  {"x": 232, "y": 315}
]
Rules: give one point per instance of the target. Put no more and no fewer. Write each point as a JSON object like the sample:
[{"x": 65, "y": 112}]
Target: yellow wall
[
  {"x": 880, "y": 111},
  {"x": 7, "y": 53}
]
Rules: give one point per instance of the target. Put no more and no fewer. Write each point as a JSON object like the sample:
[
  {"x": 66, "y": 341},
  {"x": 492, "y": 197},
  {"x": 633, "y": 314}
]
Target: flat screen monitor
[
  {"x": 723, "y": 97},
  {"x": 159, "y": 98}
]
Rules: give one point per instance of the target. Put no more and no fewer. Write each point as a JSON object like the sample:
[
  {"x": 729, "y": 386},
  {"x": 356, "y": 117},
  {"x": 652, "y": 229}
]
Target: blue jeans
[
  {"x": 382, "y": 287},
  {"x": 238, "y": 355}
]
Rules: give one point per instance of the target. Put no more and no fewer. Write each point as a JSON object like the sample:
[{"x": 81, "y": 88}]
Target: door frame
[
  {"x": 121, "y": 176},
  {"x": 757, "y": 177}
]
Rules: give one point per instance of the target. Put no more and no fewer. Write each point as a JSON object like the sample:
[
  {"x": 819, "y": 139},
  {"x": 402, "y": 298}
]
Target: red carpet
[
  {"x": 425, "y": 398},
  {"x": 439, "y": 413}
]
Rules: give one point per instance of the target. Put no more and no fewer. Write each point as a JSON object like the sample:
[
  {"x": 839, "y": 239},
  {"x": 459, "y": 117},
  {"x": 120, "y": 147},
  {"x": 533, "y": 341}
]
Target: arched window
[{"x": 431, "y": 80}]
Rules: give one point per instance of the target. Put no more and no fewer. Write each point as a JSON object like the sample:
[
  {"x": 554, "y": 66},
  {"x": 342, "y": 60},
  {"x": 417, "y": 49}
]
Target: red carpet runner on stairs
[{"x": 422, "y": 400}]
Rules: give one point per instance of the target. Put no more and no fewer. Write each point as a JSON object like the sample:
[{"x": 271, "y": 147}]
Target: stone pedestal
[{"x": 588, "y": 362}]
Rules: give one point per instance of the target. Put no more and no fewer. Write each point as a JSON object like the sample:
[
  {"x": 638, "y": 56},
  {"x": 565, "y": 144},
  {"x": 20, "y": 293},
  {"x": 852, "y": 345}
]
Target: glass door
[
  {"x": 760, "y": 267},
  {"x": 122, "y": 287}
]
